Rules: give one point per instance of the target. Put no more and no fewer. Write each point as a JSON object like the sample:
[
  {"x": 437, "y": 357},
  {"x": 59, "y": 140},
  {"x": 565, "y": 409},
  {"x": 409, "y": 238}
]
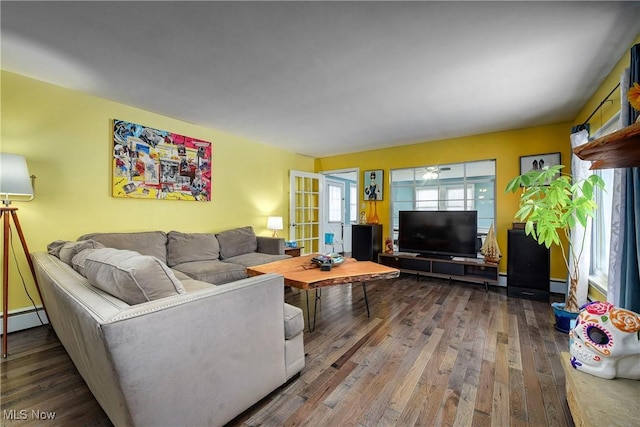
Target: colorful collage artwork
[{"x": 155, "y": 164}]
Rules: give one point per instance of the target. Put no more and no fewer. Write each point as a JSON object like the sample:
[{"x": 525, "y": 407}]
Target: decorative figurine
[
  {"x": 388, "y": 245},
  {"x": 490, "y": 248},
  {"x": 606, "y": 341}
]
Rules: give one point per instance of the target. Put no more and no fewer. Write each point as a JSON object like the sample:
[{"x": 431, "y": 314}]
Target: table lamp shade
[
  {"x": 274, "y": 223},
  {"x": 15, "y": 181}
]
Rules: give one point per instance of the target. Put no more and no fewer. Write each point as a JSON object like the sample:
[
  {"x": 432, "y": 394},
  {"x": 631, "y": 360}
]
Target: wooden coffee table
[{"x": 301, "y": 273}]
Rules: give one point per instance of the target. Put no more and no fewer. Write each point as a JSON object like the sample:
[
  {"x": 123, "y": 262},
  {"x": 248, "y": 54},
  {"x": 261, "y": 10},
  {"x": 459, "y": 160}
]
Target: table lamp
[{"x": 274, "y": 223}]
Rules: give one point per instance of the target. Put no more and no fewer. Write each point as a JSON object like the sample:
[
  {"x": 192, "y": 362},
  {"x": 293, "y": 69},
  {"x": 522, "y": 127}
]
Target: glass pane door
[{"x": 306, "y": 200}]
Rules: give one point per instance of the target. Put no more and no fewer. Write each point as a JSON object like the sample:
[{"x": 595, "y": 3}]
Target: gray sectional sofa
[
  {"x": 213, "y": 258},
  {"x": 166, "y": 329}
]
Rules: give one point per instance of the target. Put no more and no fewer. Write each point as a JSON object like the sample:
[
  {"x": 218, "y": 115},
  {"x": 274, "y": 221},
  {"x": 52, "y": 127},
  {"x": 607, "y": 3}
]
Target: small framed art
[{"x": 373, "y": 184}]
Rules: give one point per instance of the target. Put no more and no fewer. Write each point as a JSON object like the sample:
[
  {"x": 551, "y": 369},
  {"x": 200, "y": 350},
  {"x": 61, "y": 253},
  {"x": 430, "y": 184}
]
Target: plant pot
[{"x": 563, "y": 317}]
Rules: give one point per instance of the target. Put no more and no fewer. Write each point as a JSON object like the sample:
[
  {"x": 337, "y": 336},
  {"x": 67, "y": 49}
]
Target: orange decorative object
[
  {"x": 625, "y": 320},
  {"x": 634, "y": 96},
  {"x": 372, "y": 216}
]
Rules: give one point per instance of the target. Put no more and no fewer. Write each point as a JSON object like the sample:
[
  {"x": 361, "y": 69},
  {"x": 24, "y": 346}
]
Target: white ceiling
[{"x": 325, "y": 78}]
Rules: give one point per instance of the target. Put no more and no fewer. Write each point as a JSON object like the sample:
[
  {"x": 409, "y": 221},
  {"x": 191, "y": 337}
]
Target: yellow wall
[
  {"x": 505, "y": 147},
  {"x": 66, "y": 137}
]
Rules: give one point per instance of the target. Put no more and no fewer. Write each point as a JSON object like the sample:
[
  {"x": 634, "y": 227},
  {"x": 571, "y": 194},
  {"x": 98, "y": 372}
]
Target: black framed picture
[{"x": 538, "y": 161}]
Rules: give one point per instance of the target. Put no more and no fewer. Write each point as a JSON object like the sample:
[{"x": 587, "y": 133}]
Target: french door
[{"x": 306, "y": 199}]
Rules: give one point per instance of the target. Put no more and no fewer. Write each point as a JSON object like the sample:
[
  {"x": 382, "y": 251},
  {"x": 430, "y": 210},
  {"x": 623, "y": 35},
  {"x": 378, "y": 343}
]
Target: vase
[
  {"x": 372, "y": 216},
  {"x": 563, "y": 317}
]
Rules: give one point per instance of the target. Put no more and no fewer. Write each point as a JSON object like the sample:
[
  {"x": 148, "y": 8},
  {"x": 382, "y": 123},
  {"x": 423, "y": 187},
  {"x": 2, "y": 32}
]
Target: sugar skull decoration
[{"x": 605, "y": 341}]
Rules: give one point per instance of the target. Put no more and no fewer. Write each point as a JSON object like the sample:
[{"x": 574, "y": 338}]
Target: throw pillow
[
  {"x": 71, "y": 249},
  {"x": 152, "y": 243},
  {"x": 54, "y": 247},
  {"x": 237, "y": 242},
  {"x": 130, "y": 276},
  {"x": 78, "y": 261},
  {"x": 189, "y": 247}
]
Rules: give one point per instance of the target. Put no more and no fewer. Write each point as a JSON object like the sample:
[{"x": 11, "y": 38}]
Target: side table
[{"x": 294, "y": 252}]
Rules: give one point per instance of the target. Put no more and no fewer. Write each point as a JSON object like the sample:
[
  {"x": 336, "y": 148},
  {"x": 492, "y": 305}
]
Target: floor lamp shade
[
  {"x": 15, "y": 184},
  {"x": 15, "y": 181}
]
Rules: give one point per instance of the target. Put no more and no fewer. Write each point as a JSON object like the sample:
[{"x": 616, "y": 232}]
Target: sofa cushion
[
  {"x": 152, "y": 243},
  {"x": 294, "y": 355},
  {"x": 193, "y": 285},
  {"x": 254, "y": 258},
  {"x": 293, "y": 321},
  {"x": 215, "y": 272},
  {"x": 70, "y": 249},
  {"x": 130, "y": 276},
  {"x": 188, "y": 247},
  {"x": 237, "y": 241},
  {"x": 180, "y": 275}
]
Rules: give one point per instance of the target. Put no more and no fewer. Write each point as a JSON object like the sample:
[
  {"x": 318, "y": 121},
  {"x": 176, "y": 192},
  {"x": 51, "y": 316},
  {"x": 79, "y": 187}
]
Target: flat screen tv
[{"x": 442, "y": 234}]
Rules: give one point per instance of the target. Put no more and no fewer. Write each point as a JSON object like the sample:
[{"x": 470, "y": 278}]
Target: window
[
  {"x": 602, "y": 230},
  {"x": 601, "y": 225},
  {"x": 335, "y": 202},
  {"x": 427, "y": 199},
  {"x": 353, "y": 203},
  {"x": 458, "y": 186}
]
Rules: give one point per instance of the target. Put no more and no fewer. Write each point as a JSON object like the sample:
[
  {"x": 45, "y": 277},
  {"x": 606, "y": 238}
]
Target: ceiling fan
[{"x": 433, "y": 172}]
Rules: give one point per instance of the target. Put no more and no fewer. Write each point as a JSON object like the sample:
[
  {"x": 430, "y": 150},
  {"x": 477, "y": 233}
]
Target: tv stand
[
  {"x": 434, "y": 256},
  {"x": 465, "y": 269}
]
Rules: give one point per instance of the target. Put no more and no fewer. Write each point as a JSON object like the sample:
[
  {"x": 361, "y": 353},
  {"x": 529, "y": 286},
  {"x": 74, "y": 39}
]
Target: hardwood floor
[{"x": 432, "y": 354}]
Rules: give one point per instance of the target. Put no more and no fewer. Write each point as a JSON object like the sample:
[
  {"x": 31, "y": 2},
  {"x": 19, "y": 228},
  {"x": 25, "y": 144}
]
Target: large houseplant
[{"x": 552, "y": 205}]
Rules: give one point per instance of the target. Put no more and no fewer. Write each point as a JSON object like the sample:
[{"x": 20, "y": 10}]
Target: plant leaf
[
  {"x": 513, "y": 185},
  {"x": 587, "y": 189}
]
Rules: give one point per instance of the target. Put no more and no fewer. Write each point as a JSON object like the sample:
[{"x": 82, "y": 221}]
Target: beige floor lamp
[{"x": 15, "y": 185}]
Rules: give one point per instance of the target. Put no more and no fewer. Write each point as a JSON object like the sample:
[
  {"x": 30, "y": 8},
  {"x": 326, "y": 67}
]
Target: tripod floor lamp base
[{"x": 7, "y": 213}]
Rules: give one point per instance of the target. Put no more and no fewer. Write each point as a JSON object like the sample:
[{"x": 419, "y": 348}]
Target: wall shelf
[{"x": 620, "y": 149}]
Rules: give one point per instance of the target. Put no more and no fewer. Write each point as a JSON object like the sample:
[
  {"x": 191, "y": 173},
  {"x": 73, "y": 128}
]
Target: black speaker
[
  {"x": 527, "y": 267},
  {"x": 366, "y": 241}
]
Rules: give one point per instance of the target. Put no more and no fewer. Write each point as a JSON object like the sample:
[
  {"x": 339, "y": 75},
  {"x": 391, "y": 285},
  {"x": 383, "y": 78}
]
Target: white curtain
[
  {"x": 618, "y": 208},
  {"x": 580, "y": 170}
]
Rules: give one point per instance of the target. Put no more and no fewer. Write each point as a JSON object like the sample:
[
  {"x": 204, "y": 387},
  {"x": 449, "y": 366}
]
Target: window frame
[
  {"x": 405, "y": 193},
  {"x": 353, "y": 203}
]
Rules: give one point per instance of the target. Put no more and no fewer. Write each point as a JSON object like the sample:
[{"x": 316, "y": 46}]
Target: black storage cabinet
[
  {"x": 527, "y": 267},
  {"x": 366, "y": 241}
]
